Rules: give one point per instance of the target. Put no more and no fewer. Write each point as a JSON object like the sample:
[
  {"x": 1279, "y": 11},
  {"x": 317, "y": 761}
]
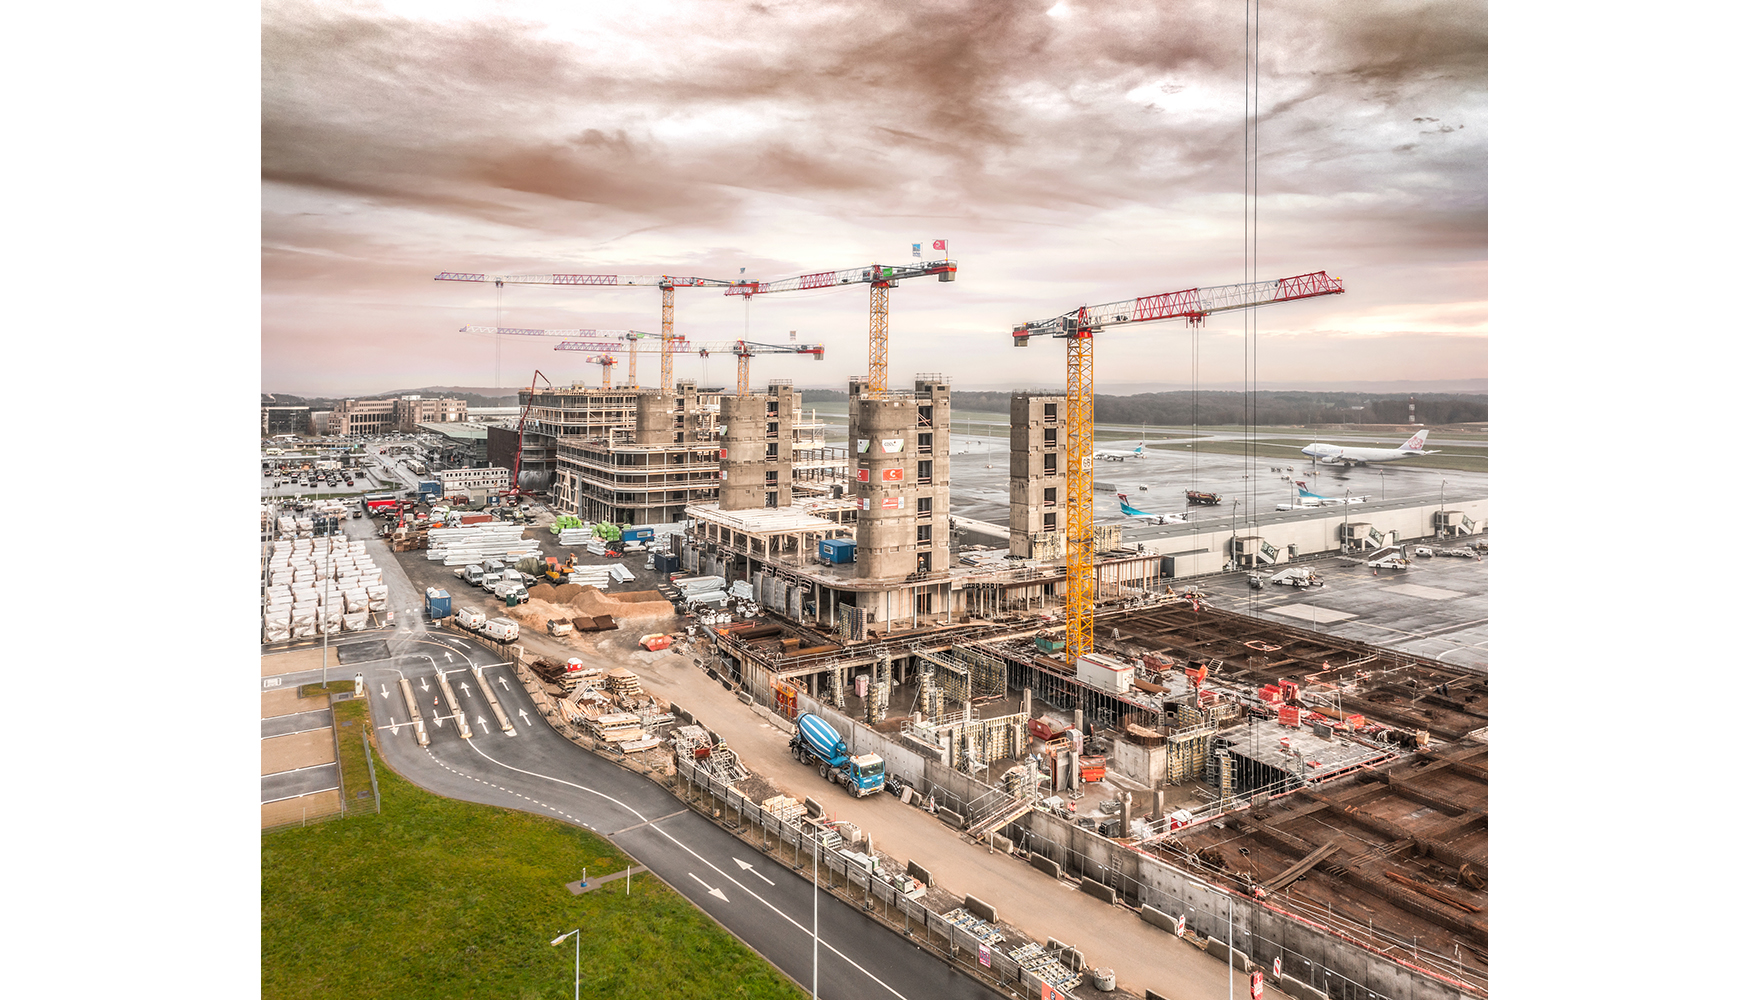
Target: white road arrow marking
[
  {"x": 439, "y": 720},
  {"x": 448, "y": 657},
  {"x": 385, "y": 691},
  {"x": 713, "y": 890},
  {"x": 480, "y": 719},
  {"x": 465, "y": 689},
  {"x": 525, "y": 716},
  {"x": 505, "y": 683},
  {"x": 424, "y": 685},
  {"x": 749, "y": 868},
  {"x": 394, "y": 727}
]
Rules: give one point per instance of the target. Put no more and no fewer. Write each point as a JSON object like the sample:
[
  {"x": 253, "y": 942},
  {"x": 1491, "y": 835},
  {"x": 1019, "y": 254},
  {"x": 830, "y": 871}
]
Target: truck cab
[{"x": 867, "y": 775}]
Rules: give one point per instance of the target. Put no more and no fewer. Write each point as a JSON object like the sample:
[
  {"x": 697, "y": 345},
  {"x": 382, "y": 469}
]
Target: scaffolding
[{"x": 966, "y": 674}]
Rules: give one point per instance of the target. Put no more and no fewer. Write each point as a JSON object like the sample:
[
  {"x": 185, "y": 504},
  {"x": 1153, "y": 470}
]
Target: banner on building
[
  {"x": 893, "y": 503},
  {"x": 862, "y": 445},
  {"x": 862, "y": 475},
  {"x": 892, "y": 446},
  {"x": 893, "y": 475}
]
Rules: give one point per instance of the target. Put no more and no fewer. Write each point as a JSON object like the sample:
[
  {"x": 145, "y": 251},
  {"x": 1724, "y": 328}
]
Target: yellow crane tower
[
  {"x": 1077, "y": 328},
  {"x": 879, "y": 279}
]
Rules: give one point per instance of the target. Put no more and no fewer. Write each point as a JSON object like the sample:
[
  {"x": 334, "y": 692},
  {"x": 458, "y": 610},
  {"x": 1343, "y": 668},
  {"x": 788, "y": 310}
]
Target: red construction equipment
[
  {"x": 879, "y": 279},
  {"x": 1077, "y": 328},
  {"x": 516, "y": 492}
]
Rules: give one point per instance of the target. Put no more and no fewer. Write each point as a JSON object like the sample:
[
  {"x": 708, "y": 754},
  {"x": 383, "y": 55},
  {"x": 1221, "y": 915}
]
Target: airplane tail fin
[
  {"x": 1138, "y": 450},
  {"x": 1415, "y": 442}
]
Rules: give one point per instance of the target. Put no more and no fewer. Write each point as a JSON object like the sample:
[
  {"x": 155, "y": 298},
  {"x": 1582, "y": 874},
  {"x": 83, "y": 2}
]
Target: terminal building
[{"x": 402, "y": 414}]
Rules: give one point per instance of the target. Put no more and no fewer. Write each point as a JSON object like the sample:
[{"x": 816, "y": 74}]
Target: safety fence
[{"x": 804, "y": 852}]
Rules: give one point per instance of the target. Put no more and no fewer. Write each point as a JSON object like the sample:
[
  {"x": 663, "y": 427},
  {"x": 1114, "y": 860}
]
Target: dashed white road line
[{"x": 676, "y": 841}]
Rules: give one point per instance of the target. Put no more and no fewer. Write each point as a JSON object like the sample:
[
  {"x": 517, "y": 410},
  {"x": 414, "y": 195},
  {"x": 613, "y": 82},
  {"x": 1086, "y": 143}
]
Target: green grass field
[{"x": 439, "y": 898}]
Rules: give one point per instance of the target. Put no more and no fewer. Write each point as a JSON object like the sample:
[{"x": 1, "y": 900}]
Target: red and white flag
[{"x": 939, "y": 245}]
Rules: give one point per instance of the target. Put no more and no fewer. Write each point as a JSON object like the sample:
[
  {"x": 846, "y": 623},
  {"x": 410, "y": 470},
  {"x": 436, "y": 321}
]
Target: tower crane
[
  {"x": 632, "y": 357},
  {"x": 667, "y": 282},
  {"x": 1077, "y": 328},
  {"x": 879, "y": 279},
  {"x": 607, "y": 361},
  {"x": 629, "y": 347},
  {"x": 746, "y": 349}
]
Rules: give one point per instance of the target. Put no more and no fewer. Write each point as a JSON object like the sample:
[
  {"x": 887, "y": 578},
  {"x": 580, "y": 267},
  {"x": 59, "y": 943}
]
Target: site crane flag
[
  {"x": 917, "y": 249},
  {"x": 941, "y": 245}
]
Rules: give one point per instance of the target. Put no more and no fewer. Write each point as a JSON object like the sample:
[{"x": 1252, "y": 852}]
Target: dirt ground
[
  {"x": 297, "y": 659},
  {"x": 285, "y": 701},
  {"x": 286, "y": 753},
  {"x": 303, "y": 807}
]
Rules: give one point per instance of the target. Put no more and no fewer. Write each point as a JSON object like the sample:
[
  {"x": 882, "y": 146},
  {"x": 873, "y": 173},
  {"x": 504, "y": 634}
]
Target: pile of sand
[
  {"x": 536, "y": 614},
  {"x": 544, "y": 605},
  {"x": 649, "y": 603}
]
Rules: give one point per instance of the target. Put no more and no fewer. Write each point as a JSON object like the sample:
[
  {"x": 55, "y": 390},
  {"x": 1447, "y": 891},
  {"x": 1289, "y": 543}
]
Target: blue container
[
  {"x": 430, "y": 488},
  {"x": 437, "y": 602},
  {"x": 838, "y": 550}
]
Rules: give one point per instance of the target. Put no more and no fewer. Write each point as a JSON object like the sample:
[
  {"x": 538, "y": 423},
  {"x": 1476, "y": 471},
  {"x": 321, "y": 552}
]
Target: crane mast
[
  {"x": 880, "y": 280},
  {"x": 1077, "y": 328}
]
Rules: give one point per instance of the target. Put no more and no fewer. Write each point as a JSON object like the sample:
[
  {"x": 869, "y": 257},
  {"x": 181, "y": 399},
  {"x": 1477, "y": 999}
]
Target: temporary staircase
[{"x": 1001, "y": 815}]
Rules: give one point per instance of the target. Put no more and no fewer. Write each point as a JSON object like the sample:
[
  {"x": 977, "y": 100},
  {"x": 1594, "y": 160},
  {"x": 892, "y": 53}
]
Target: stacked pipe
[{"x": 473, "y": 543}]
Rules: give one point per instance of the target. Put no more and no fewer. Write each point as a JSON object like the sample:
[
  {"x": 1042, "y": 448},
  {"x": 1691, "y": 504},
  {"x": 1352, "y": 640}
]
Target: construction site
[{"x": 1055, "y": 689}]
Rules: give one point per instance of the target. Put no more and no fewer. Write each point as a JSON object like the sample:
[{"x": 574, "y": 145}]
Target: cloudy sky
[{"x": 1069, "y": 153}]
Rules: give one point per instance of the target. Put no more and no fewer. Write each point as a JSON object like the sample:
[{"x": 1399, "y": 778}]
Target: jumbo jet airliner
[
  {"x": 1118, "y": 456},
  {"x": 1331, "y": 454}
]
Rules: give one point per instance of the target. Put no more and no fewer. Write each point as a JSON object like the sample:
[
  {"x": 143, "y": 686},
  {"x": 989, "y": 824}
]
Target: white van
[{"x": 502, "y": 629}]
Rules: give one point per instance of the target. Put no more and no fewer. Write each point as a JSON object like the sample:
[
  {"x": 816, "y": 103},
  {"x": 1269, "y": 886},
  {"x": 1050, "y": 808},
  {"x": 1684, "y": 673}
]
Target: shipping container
[{"x": 838, "y": 550}]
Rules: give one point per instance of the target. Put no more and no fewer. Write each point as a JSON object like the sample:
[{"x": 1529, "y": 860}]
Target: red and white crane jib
[
  {"x": 517, "y": 331},
  {"x": 1192, "y": 304},
  {"x": 658, "y": 280},
  {"x": 747, "y": 349},
  {"x": 944, "y": 270},
  {"x": 675, "y": 345}
]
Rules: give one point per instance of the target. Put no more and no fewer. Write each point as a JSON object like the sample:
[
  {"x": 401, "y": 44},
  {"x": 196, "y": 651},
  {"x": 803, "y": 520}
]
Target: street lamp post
[
  {"x": 576, "y": 957},
  {"x": 816, "y": 988},
  {"x": 1382, "y": 484},
  {"x": 327, "y": 607}
]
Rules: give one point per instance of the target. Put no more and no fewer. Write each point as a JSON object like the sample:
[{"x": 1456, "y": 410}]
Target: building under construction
[
  {"x": 1331, "y": 790},
  {"x": 640, "y": 456}
]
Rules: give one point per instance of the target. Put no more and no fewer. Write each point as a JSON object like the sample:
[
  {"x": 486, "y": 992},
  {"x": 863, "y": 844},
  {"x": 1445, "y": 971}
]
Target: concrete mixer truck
[{"x": 818, "y": 743}]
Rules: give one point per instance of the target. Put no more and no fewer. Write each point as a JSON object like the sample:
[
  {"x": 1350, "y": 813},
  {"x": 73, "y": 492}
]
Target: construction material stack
[{"x": 623, "y": 684}]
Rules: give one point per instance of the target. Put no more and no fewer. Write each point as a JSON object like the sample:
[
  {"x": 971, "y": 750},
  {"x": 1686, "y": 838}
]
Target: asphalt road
[{"x": 760, "y": 900}]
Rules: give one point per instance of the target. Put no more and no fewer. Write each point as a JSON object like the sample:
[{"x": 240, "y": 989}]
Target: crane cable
[{"x": 1254, "y": 15}]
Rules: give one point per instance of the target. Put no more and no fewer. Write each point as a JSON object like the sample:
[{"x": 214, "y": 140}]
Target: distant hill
[{"x": 471, "y": 396}]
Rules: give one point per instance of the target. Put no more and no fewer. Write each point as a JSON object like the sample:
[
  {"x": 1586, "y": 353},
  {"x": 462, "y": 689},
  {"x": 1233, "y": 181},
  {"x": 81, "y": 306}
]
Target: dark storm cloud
[{"x": 858, "y": 97}]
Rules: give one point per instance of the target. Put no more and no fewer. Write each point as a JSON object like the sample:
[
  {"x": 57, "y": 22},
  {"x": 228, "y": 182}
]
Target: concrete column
[{"x": 1026, "y": 703}]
